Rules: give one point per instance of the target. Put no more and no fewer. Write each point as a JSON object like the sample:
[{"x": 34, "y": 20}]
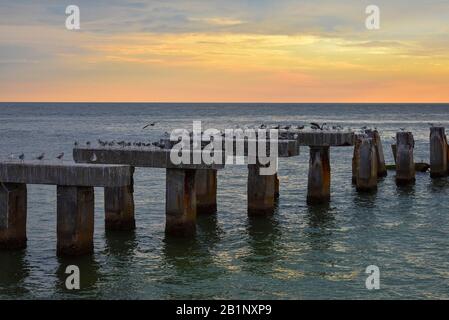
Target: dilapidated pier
[
  {"x": 191, "y": 186},
  {"x": 75, "y": 200}
]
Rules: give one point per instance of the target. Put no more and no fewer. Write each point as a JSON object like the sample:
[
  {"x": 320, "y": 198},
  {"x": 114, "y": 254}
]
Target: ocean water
[{"x": 300, "y": 252}]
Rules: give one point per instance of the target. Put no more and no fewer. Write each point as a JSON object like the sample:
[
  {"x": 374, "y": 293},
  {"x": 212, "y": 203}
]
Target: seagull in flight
[
  {"x": 60, "y": 156},
  {"x": 152, "y": 124}
]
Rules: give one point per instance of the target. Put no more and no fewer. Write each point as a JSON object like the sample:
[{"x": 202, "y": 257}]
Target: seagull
[
  {"x": 300, "y": 127},
  {"x": 76, "y": 143},
  {"x": 315, "y": 125},
  {"x": 150, "y": 125},
  {"x": 11, "y": 156},
  {"x": 41, "y": 156},
  {"x": 22, "y": 157},
  {"x": 60, "y": 156},
  {"x": 93, "y": 158},
  {"x": 402, "y": 129},
  {"x": 88, "y": 143}
]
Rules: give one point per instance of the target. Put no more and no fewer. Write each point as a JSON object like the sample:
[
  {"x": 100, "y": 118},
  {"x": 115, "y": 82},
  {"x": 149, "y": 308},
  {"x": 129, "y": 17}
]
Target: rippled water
[{"x": 300, "y": 252}]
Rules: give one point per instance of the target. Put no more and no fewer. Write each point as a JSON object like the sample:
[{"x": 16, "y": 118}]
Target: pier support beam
[
  {"x": 75, "y": 220},
  {"x": 206, "y": 191},
  {"x": 438, "y": 152},
  {"x": 381, "y": 167},
  {"x": 276, "y": 186},
  {"x": 261, "y": 190},
  {"x": 119, "y": 207},
  {"x": 180, "y": 202},
  {"x": 318, "y": 189},
  {"x": 13, "y": 215},
  {"x": 367, "y": 171},
  {"x": 356, "y": 156},
  {"x": 405, "y": 165}
]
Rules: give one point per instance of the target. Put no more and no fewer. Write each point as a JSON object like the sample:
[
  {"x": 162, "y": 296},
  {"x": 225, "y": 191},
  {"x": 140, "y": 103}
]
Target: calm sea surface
[{"x": 300, "y": 252}]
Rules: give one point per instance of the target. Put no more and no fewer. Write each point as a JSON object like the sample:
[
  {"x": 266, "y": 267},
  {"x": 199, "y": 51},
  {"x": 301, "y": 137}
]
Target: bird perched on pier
[
  {"x": 22, "y": 157},
  {"x": 11, "y": 156},
  {"x": 41, "y": 156},
  {"x": 76, "y": 144},
  {"x": 60, "y": 156},
  {"x": 93, "y": 158},
  {"x": 316, "y": 126},
  {"x": 300, "y": 127},
  {"x": 402, "y": 129},
  {"x": 150, "y": 125},
  {"x": 88, "y": 143}
]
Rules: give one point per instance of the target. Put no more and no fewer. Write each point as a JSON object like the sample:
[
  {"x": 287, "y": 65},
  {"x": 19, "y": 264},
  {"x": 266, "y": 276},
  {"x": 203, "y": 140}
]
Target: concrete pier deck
[
  {"x": 147, "y": 157},
  {"x": 321, "y": 138},
  {"x": 66, "y": 173}
]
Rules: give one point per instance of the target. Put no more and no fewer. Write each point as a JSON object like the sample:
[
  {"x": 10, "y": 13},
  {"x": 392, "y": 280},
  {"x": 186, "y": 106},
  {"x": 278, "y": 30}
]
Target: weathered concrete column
[
  {"x": 318, "y": 189},
  {"x": 438, "y": 152},
  {"x": 405, "y": 165},
  {"x": 381, "y": 167},
  {"x": 206, "y": 191},
  {"x": 276, "y": 186},
  {"x": 367, "y": 171},
  {"x": 356, "y": 156},
  {"x": 261, "y": 189},
  {"x": 394, "y": 149},
  {"x": 75, "y": 220},
  {"x": 180, "y": 202},
  {"x": 13, "y": 215},
  {"x": 119, "y": 207}
]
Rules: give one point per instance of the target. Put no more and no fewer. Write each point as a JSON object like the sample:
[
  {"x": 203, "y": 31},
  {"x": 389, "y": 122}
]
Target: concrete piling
[
  {"x": 438, "y": 153},
  {"x": 381, "y": 167},
  {"x": 318, "y": 189},
  {"x": 206, "y": 191},
  {"x": 356, "y": 156},
  {"x": 276, "y": 186},
  {"x": 75, "y": 220},
  {"x": 261, "y": 191},
  {"x": 180, "y": 202},
  {"x": 13, "y": 215},
  {"x": 405, "y": 165},
  {"x": 119, "y": 206},
  {"x": 394, "y": 149},
  {"x": 367, "y": 170}
]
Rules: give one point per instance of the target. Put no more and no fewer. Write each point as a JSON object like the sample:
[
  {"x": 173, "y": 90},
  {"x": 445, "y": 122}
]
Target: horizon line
[{"x": 221, "y": 102}]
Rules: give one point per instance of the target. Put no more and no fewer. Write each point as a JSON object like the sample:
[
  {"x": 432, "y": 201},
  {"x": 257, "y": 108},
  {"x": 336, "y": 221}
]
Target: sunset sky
[{"x": 225, "y": 51}]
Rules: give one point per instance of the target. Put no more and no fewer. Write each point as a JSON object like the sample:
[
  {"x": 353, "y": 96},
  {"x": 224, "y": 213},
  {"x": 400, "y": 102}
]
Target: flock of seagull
[{"x": 313, "y": 125}]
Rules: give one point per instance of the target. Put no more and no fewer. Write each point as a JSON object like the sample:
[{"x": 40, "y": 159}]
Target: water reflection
[
  {"x": 439, "y": 185},
  {"x": 14, "y": 269},
  {"x": 208, "y": 229},
  {"x": 365, "y": 199},
  {"x": 407, "y": 190},
  {"x": 120, "y": 243},
  {"x": 89, "y": 272},
  {"x": 321, "y": 221},
  {"x": 187, "y": 256}
]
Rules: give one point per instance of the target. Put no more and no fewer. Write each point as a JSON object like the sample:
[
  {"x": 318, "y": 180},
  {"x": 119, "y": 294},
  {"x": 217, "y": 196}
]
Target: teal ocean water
[{"x": 300, "y": 252}]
